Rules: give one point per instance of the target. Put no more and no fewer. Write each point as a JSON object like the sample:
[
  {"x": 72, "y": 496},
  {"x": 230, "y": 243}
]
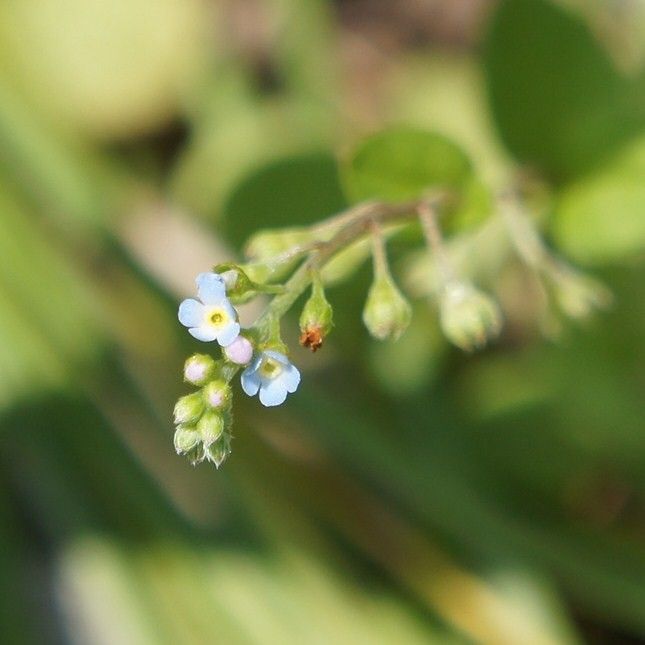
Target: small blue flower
[
  {"x": 272, "y": 375},
  {"x": 214, "y": 318}
]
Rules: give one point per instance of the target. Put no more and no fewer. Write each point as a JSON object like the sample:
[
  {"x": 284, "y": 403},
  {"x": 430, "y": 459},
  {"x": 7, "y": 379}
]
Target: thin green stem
[
  {"x": 354, "y": 224},
  {"x": 427, "y": 212}
]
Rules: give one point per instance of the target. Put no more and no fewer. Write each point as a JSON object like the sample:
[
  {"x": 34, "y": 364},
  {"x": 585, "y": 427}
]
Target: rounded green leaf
[
  {"x": 402, "y": 163},
  {"x": 558, "y": 99}
]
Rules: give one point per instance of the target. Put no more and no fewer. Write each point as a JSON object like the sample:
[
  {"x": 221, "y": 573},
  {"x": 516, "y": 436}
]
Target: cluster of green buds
[{"x": 203, "y": 418}]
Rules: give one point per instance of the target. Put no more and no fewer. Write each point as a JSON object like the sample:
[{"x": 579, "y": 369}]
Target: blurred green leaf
[
  {"x": 300, "y": 189},
  {"x": 402, "y": 163},
  {"x": 558, "y": 99},
  {"x": 600, "y": 219},
  {"x": 108, "y": 69}
]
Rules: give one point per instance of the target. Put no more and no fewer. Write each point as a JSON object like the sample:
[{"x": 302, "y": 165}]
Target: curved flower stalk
[{"x": 468, "y": 317}]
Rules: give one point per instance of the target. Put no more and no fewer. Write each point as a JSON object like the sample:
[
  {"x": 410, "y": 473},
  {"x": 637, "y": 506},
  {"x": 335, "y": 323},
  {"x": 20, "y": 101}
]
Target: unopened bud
[
  {"x": 240, "y": 351},
  {"x": 217, "y": 394},
  {"x": 210, "y": 427},
  {"x": 218, "y": 452},
  {"x": 387, "y": 313},
  {"x": 316, "y": 319},
  {"x": 186, "y": 439},
  {"x": 240, "y": 287},
  {"x": 198, "y": 369},
  {"x": 579, "y": 295},
  {"x": 265, "y": 245},
  {"x": 468, "y": 317},
  {"x": 189, "y": 408}
]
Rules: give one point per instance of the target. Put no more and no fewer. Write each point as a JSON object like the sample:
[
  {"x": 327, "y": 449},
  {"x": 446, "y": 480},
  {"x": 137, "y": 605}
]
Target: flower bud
[
  {"x": 468, "y": 317},
  {"x": 265, "y": 245},
  {"x": 240, "y": 351},
  {"x": 210, "y": 427},
  {"x": 218, "y": 452},
  {"x": 198, "y": 369},
  {"x": 186, "y": 439},
  {"x": 578, "y": 295},
  {"x": 240, "y": 287},
  {"x": 217, "y": 394},
  {"x": 316, "y": 319},
  {"x": 387, "y": 313},
  {"x": 189, "y": 408}
]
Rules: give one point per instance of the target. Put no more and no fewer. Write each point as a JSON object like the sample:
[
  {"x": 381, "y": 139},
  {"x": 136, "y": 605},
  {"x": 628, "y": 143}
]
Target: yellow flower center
[
  {"x": 270, "y": 368},
  {"x": 217, "y": 317}
]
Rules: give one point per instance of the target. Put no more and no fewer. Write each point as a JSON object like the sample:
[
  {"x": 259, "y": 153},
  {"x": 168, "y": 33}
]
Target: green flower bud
[
  {"x": 218, "y": 452},
  {"x": 387, "y": 313},
  {"x": 265, "y": 245},
  {"x": 316, "y": 319},
  {"x": 199, "y": 369},
  {"x": 217, "y": 394},
  {"x": 189, "y": 408},
  {"x": 468, "y": 317},
  {"x": 210, "y": 427},
  {"x": 240, "y": 287},
  {"x": 196, "y": 455},
  {"x": 186, "y": 439},
  {"x": 578, "y": 295}
]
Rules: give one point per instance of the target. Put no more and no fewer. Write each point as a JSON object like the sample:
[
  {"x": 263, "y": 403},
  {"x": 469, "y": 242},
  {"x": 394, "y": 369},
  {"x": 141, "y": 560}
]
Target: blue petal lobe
[
  {"x": 273, "y": 392},
  {"x": 210, "y": 288},
  {"x": 250, "y": 381},
  {"x": 206, "y": 333},
  {"x": 191, "y": 313},
  {"x": 291, "y": 378},
  {"x": 227, "y": 335},
  {"x": 281, "y": 358}
]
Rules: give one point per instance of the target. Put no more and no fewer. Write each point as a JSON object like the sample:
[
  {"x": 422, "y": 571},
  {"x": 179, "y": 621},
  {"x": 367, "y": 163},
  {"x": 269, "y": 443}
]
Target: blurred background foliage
[{"x": 408, "y": 493}]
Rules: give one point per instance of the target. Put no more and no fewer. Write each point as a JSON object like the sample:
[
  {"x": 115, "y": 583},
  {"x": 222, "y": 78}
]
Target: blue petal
[
  {"x": 227, "y": 335},
  {"x": 250, "y": 381},
  {"x": 210, "y": 288},
  {"x": 205, "y": 333},
  {"x": 273, "y": 392},
  {"x": 281, "y": 358},
  {"x": 291, "y": 378},
  {"x": 191, "y": 313}
]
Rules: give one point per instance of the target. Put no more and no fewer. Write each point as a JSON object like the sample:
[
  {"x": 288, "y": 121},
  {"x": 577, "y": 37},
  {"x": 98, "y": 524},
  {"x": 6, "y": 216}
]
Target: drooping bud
[
  {"x": 387, "y": 313},
  {"x": 578, "y": 295},
  {"x": 217, "y": 394},
  {"x": 468, "y": 317},
  {"x": 189, "y": 408},
  {"x": 198, "y": 369},
  {"x": 186, "y": 439},
  {"x": 240, "y": 351},
  {"x": 316, "y": 319},
  {"x": 240, "y": 287},
  {"x": 210, "y": 427},
  {"x": 218, "y": 452}
]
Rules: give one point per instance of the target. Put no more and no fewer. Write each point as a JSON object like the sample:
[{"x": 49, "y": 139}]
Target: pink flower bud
[{"x": 240, "y": 351}]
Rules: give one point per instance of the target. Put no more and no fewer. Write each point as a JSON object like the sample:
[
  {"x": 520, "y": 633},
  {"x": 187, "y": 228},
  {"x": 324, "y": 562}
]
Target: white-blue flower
[
  {"x": 214, "y": 318},
  {"x": 272, "y": 375}
]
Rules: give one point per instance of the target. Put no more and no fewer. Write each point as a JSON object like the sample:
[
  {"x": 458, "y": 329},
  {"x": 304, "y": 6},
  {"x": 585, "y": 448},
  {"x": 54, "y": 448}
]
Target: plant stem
[
  {"x": 427, "y": 212},
  {"x": 354, "y": 224}
]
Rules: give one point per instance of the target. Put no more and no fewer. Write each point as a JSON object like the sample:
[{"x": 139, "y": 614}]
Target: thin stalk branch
[
  {"x": 354, "y": 224},
  {"x": 428, "y": 217}
]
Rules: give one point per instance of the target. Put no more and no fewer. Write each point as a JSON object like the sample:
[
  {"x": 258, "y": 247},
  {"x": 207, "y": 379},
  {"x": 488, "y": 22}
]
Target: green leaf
[
  {"x": 557, "y": 98},
  {"x": 296, "y": 190},
  {"x": 402, "y": 163},
  {"x": 601, "y": 218}
]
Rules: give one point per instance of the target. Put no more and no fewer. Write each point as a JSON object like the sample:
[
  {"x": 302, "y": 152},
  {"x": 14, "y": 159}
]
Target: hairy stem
[{"x": 354, "y": 224}]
